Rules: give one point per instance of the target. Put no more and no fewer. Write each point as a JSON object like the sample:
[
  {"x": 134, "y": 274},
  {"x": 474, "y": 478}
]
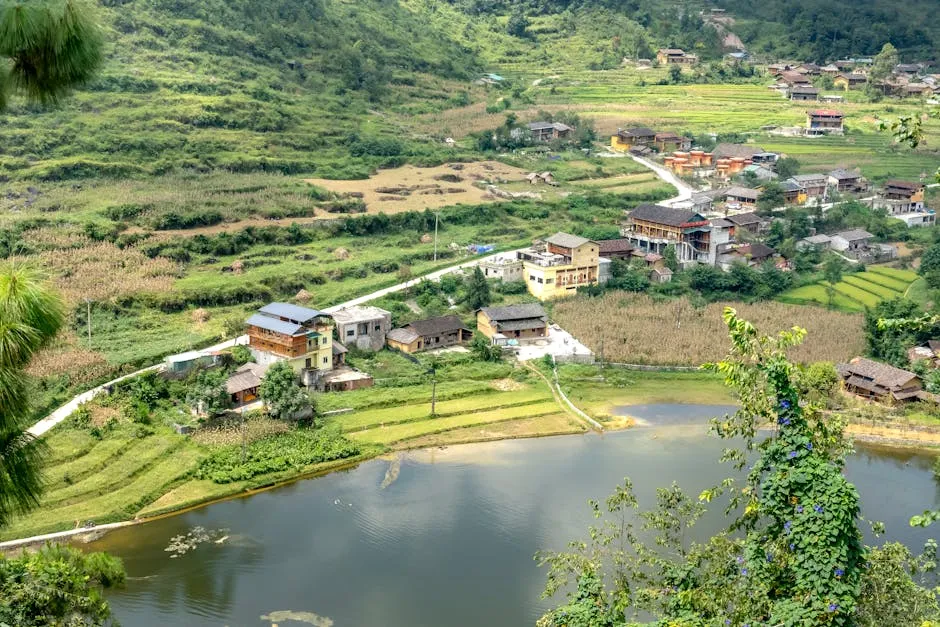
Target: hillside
[
  {"x": 822, "y": 31},
  {"x": 202, "y": 84}
]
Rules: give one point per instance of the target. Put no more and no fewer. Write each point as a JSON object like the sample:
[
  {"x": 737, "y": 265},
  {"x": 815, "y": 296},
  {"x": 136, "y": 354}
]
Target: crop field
[
  {"x": 856, "y": 291},
  {"x": 624, "y": 327}
]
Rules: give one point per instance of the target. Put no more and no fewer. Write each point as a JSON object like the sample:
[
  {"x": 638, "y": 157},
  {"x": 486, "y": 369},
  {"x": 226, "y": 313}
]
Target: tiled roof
[
  {"x": 663, "y": 215},
  {"x": 743, "y": 192},
  {"x": 854, "y": 235},
  {"x": 607, "y": 246},
  {"x": 639, "y": 131},
  {"x": 246, "y": 377},
  {"x": 743, "y": 219},
  {"x": 725, "y": 149},
  {"x": 514, "y": 312},
  {"x": 435, "y": 326},
  {"x": 403, "y": 335},
  {"x": 880, "y": 374},
  {"x": 842, "y": 174}
]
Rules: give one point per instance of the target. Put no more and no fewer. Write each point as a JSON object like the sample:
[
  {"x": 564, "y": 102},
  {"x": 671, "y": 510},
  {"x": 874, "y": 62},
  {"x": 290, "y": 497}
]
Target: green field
[{"x": 856, "y": 291}]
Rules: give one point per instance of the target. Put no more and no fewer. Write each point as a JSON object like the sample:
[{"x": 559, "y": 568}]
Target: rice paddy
[{"x": 857, "y": 291}]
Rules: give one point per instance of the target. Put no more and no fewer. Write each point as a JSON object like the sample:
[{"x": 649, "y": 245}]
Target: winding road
[{"x": 63, "y": 412}]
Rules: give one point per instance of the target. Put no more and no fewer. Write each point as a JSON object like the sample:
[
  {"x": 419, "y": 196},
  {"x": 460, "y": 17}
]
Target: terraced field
[
  {"x": 393, "y": 425},
  {"x": 855, "y": 292}
]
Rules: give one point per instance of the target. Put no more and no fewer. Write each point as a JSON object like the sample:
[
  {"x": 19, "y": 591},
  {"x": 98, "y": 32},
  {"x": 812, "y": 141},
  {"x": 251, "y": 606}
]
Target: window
[
  {"x": 350, "y": 332},
  {"x": 324, "y": 341},
  {"x": 326, "y": 360},
  {"x": 378, "y": 327},
  {"x": 308, "y": 364},
  {"x": 531, "y": 277},
  {"x": 549, "y": 281},
  {"x": 540, "y": 279}
]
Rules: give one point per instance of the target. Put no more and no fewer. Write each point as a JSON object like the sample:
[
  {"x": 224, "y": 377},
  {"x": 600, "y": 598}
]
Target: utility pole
[
  {"x": 241, "y": 411},
  {"x": 437, "y": 216},
  {"x": 434, "y": 395},
  {"x": 88, "y": 319}
]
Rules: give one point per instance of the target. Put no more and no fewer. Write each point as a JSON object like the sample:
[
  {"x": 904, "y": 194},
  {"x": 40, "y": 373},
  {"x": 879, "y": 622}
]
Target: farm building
[
  {"x": 503, "y": 325},
  {"x": 814, "y": 185},
  {"x": 422, "y": 335},
  {"x": 804, "y": 93},
  {"x": 851, "y": 241},
  {"x": 820, "y": 242},
  {"x": 669, "y": 142},
  {"x": 849, "y": 81},
  {"x": 503, "y": 267},
  {"x": 651, "y": 228},
  {"x": 743, "y": 196},
  {"x": 243, "y": 385},
  {"x": 615, "y": 248}
]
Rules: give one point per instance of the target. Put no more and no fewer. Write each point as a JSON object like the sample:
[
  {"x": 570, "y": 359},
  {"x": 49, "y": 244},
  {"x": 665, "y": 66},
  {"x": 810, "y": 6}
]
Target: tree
[
  {"x": 52, "y": 48},
  {"x": 30, "y": 317},
  {"x": 57, "y": 585},
  {"x": 787, "y": 167},
  {"x": 484, "y": 350},
  {"x": 675, "y": 74},
  {"x": 207, "y": 394},
  {"x": 890, "y": 342},
  {"x": 930, "y": 266},
  {"x": 771, "y": 196},
  {"x": 883, "y": 64},
  {"x": 793, "y": 553},
  {"x": 518, "y": 24},
  {"x": 670, "y": 258},
  {"x": 282, "y": 396},
  {"x": 776, "y": 234},
  {"x": 478, "y": 290}
]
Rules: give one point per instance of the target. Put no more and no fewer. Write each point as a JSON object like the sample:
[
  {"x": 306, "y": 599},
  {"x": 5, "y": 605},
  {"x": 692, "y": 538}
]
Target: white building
[{"x": 363, "y": 327}]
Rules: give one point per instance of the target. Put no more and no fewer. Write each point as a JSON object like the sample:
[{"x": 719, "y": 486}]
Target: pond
[{"x": 439, "y": 537}]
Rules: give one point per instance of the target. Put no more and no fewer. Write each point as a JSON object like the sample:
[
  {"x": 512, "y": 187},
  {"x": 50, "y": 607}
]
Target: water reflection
[{"x": 448, "y": 541}]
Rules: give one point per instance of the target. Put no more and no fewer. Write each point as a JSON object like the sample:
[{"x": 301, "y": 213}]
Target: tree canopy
[{"x": 53, "y": 46}]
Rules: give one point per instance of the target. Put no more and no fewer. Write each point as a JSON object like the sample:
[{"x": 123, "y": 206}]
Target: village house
[
  {"x": 830, "y": 70},
  {"x": 792, "y": 78},
  {"x": 559, "y": 267},
  {"x": 513, "y": 324},
  {"x": 911, "y": 69},
  {"x": 818, "y": 242},
  {"x": 669, "y": 142},
  {"x": 916, "y": 90},
  {"x": 675, "y": 55},
  {"x": 831, "y": 98},
  {"x": 742, "y": 196},
  {"x": 824, "y": 122},
  {"x": 814, "y": 185},
  {"x": 242, "y": 386},
  {"x": 364, "y": 327},
  {"x": 429, "y": 334},
  {"x": 747, "y": 221},
  {"x": 629, "y": 138},
  {"x": 904, "y": 200},
  {"x": 881, "y": 382},
  {"x": 548, "y": 131},
  {"x": 853, "y": 80},
  {"x": 301, "y": 336},
  {"x": 851, "y": 241},
  {"x": 754, "y": 254},
  {"x": 804, "y": 93},
  {"x": 651, "y": 228},
  {"x": 793, "y": 192},
  {"x": 615, "y": 248},
  {"x": 506, "y": 268},
  {"x": 929, "y": 354},
  {"x": 759, "y": 172},
  {"x": 809, "y": 69},
  {"x": 846, "y": 180},
  {"x": 660, "y": 274}
]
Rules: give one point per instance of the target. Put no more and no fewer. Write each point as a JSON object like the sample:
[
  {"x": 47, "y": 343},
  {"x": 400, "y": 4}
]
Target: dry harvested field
[
  {"x": 635, "y": 329},
  {"x": 410, "y": 188}
]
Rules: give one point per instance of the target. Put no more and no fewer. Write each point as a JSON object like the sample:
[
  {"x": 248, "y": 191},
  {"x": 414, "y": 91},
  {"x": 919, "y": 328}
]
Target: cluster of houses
[
  {"x": 855, "y": 244},
  {"x": 796, "y": 80}
]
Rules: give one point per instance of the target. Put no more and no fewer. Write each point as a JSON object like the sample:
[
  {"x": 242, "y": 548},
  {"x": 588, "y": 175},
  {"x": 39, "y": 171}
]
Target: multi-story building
[
  {"x": 652, "y": 228},
  {"x": 676, "y": 55},
  {"x": 303, "y": 337},
  {"x": 905, "y": 201},
  {"x": 824, "y": 122},
  {"x": 561, "y": 265}
]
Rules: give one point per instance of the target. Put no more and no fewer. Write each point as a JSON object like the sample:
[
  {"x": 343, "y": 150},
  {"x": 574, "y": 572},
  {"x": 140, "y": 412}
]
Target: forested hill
[{"x": 824, "y": 30}]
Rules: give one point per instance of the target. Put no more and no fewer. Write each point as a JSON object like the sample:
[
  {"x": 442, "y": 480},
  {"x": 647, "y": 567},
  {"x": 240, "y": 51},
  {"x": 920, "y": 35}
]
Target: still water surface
[{"x": 441, "y": 537}]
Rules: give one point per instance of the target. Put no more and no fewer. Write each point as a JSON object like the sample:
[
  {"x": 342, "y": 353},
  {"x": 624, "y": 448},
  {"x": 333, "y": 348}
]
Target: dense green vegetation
[{"x": 811, "y": 30}]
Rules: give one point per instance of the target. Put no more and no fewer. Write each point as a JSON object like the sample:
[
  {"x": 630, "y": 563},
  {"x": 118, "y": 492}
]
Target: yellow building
[
  {"x": 566, "y": 263},
  {"x": 284, "y": 332}
]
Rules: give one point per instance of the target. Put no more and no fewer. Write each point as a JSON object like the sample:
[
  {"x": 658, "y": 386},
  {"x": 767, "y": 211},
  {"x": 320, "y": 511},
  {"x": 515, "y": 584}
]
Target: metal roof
[
  {"x": 277, "y": 326},
  {"x": 295, "y": 313},
  {"x": 403, "y": 335}
]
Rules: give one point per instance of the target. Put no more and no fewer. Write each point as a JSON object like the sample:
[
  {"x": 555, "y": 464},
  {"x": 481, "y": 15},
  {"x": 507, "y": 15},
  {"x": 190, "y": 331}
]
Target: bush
[{"x": 284, "y": 451}]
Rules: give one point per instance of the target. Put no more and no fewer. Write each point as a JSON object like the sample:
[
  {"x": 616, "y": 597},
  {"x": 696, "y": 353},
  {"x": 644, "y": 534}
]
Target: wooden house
[
  {"x": 243, "y": 385},
  {"x": 843, "y": 180},
  {"x": 428, "y": 334},
  {"x": 629, "y": 138},
  {"x": 301, "y": 336},
  {"x": 675, "y": 55},
  {"x": 513, "y": 323},
  {"x": 881, "y": 382},
  {"x": 669, "y": 142},
  {"x": 849, "y": 81},
  {"x": 824, "y": 122},
  {"x": 548, "y": 131}
]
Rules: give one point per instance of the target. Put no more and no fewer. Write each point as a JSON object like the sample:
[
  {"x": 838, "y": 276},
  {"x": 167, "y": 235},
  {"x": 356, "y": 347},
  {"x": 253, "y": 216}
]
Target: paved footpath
[{"x": 66, "y": 410}]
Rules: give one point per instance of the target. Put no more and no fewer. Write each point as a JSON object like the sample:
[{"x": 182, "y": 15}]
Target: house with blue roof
[{"x": 299, "y": 335}]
